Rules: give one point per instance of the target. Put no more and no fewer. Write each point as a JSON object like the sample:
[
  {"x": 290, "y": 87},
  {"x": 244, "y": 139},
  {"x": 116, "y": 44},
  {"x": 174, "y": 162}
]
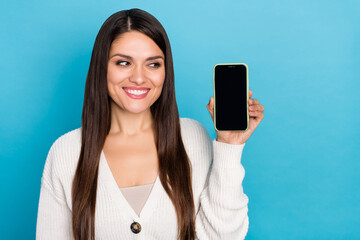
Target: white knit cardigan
[{"x": 220, "y": 204}]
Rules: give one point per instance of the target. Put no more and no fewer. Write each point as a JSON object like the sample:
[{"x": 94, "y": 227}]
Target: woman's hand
[{"x": 239, "y": 137}]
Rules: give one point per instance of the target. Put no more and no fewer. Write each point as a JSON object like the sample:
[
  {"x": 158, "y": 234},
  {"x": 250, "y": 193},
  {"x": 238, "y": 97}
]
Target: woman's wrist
[{"x": 232, "y": 141}]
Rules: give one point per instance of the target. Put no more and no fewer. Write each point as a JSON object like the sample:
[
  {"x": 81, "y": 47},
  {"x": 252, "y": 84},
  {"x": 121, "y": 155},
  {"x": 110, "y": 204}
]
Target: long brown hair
[{"x": 175, "y": 168}]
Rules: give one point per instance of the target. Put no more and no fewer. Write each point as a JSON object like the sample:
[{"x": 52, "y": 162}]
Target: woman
[{"x": 132, "y": 141}]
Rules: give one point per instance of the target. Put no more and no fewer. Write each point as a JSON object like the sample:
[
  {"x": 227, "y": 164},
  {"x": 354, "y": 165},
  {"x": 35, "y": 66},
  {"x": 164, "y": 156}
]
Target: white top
[
  {"x": 217, "y": 173},
  {"x": 136, "y": 196}
]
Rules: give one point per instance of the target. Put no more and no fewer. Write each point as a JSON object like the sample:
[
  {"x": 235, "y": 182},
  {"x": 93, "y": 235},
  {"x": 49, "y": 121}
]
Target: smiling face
[{"x": 136, "y": 72}]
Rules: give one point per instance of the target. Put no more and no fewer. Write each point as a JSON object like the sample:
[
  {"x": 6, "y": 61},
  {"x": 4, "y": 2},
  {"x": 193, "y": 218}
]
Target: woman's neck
[{"x": 127, "y": 123}]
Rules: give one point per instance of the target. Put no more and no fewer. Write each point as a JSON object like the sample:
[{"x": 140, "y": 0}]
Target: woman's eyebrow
[{"x": 130, "y": 58}]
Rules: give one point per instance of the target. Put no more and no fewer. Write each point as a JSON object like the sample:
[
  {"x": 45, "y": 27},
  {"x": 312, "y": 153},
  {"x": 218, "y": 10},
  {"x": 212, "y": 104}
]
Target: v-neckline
[{"x": 119, "y": 199}]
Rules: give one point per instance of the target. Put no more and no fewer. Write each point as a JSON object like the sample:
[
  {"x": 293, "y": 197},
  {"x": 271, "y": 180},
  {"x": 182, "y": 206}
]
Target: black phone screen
[{"x": 230, "y": 83}]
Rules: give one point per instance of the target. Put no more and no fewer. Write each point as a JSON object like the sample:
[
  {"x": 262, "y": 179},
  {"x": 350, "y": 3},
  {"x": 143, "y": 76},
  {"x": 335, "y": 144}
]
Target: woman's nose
[{"x": 137, "y": 75}]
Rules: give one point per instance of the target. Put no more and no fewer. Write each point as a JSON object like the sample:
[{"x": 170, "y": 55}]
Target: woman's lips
[{"x": 136, "y": 92}]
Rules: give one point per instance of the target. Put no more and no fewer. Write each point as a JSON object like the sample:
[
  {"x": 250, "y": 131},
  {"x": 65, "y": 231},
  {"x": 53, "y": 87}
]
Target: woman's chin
[
  {"x": 132, "y": 107},
  {"x": 137, "y": 110}
]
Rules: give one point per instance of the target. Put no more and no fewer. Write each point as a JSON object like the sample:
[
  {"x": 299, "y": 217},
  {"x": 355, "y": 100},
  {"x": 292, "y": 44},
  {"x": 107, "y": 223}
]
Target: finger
[
  {"x": 256, "y": 114},
  {"x": 253, "y": 101},
  {"x": 210, "y": 107},
  {"x": 250, "y": 93},
  {"x": 259, "y": 108},
  {"x": 212, "y": 103}
]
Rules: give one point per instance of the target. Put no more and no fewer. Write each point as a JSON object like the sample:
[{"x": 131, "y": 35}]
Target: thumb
[{"x": 210, "y": 107}]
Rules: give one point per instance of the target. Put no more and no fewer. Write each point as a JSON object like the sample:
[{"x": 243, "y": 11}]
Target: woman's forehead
[{"x": 135, "y": 43}]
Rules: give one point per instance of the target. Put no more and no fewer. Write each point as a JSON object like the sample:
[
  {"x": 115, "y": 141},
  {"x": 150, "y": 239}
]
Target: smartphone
[{"x": 231, "y": 94}]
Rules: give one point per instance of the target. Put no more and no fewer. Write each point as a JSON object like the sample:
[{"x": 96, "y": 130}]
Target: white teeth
[{"x": 136, "y": 92}]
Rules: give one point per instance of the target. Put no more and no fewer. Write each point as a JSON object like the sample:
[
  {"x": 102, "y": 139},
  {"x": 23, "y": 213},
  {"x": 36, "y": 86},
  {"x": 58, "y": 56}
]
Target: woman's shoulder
[
  {"x": 64, "y": 153},
  {"x": 60, "y": 165},
  {"x": 194, "y": 134},
  {"x": 189, "y": 125},
  {"x": 72, "y": 135},
  {"x": 68, "y": 142}
]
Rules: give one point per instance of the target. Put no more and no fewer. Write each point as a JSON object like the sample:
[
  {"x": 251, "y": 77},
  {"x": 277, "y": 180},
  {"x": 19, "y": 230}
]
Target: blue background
[{"x": 302, "y": 162}]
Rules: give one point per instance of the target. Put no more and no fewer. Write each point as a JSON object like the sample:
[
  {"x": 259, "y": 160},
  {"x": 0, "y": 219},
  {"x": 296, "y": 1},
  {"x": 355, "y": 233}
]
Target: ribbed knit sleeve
[
  {"x": 218, "y": 174},
  {"x": 223, "y": 205},
  {"x": 54, "y": 217},
  {"x": 54, "y": 214}
]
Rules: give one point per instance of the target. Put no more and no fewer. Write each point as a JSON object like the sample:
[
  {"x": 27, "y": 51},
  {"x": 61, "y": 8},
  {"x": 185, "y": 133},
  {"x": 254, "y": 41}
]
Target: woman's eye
[
  {"x": 155, "y": 65},
  {"x": 122, "y": 63}
]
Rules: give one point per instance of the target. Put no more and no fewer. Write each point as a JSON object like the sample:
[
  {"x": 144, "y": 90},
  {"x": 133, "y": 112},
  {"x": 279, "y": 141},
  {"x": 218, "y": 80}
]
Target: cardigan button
[{"x": 135, "y": 227}]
